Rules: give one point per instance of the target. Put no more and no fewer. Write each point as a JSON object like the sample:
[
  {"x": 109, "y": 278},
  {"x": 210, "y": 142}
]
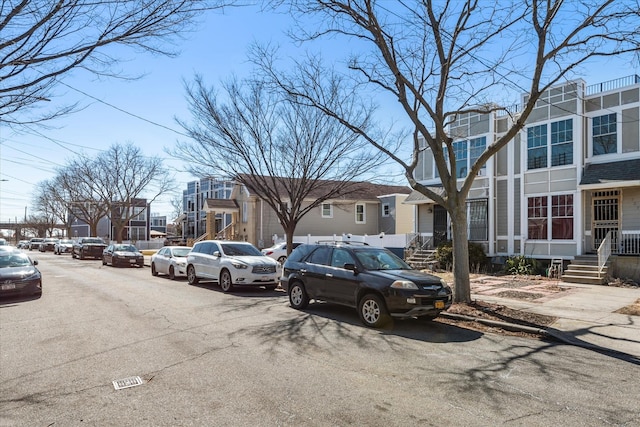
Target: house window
[
  {"x": 476, "y": 148},
  {"x": 537, "y": 147},
  {"x": 327, "y": 210},
  {"x": 562, "y": 217},
  {"x": 537, "y": 218},
  {"x": 245, "y": 212},
  {"x": 605, "y": 138},
  {"x": 460, "y": 150},
  {"x": 137, "y": 233},
  {"x": 478, "y": 226},
  {"x": 386, "y": 210},
  {"x": 139, "y": 214},
  {"x": 562, "y": 143},
  {"x": 360, "y": 214}
]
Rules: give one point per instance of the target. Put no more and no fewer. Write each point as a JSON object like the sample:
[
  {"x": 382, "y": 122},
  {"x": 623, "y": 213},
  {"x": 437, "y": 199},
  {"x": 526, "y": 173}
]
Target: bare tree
[
  {"x": 42, "y": 40},
  {"x": 75, "y": 185},
  {"x": 444, "y": 59},
  {"x": 50, "y": 202},
  {"x": 291, "y": 156},
  {"x": 123, "y": 177}
]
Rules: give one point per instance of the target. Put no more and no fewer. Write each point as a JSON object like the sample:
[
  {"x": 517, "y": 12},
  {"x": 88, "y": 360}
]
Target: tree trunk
[
  {"x": 462, "y": 288},
  {"x": 289, "y": 230},
  {"x": 93, "y": 228}
]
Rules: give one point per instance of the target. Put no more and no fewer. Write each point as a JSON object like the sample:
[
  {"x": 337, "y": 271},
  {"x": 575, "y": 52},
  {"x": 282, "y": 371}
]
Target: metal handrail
[
  {"x": 223, "y": 232},
  {"x": 604, "y": 252}
]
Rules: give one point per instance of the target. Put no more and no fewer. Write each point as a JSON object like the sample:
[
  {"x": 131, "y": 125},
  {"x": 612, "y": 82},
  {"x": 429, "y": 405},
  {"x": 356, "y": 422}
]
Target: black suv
[{"x": 372, "y": 279}]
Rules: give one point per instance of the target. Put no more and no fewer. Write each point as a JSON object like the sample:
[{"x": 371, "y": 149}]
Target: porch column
[{"x": 211, "y": 224}]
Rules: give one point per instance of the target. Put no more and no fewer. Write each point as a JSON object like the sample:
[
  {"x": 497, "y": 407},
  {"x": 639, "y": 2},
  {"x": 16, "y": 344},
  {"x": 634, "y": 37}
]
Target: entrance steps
[
  {"x": 584, "y": 269},
  {"x": 423, "y": 258}
]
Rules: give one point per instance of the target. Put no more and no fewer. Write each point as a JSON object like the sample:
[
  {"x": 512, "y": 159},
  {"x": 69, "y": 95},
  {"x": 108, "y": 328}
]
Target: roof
[
  {"x": 221, "y": 205},
  {"x": 356, "y": 190},
  {"x": 600, "y": 175},
  {"x": 417, "y": 198}
]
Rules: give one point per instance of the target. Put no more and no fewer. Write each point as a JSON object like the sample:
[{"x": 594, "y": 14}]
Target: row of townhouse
[
  {"x": 221, "y": 208},
  {"x": 568, "y": 180},
  {"x": 143, "y": 225},
  {"x": 566, "y": 183}
]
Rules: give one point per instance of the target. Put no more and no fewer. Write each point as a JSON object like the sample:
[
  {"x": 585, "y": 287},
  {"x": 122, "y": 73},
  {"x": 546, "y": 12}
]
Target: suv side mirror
[
  {"x": 216, "y": 254},
  {"x": 351, "y": 267}
]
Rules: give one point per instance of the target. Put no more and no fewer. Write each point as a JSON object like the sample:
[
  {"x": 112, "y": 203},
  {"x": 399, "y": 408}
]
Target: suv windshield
[
  {"x": 92, "y": 241},
  {"x": 125, "y": 248},
  {"x": 239, "y": 249},
  {"x": 380, "y": 259}
]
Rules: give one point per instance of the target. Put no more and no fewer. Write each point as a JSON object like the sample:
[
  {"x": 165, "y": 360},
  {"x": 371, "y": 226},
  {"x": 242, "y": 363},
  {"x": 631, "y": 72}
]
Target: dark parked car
[
  {"x": 18, "y": 273},
  {"x": 48, "y": 244},
  {"x": 371, "y": 279},
  {"x": 88, "y": 247},
  {"x": 122, "y": 254}
]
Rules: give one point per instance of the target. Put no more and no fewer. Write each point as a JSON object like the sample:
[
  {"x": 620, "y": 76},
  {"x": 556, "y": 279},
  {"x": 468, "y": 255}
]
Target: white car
[
  {"x": 279, "y": 251},
  {"x": 171, "y": 260},
  {"x": 231, "y": 264},
  {"x": 63, "y": 246}
]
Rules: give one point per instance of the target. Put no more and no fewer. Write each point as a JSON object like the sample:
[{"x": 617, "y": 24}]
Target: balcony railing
[{"x": 613, "y": 84}]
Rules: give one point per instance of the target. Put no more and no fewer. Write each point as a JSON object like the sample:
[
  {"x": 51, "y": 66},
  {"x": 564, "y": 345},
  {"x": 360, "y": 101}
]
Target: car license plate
[
  {"x": 8, "y": 287},
  {"x": 439, "y": 304},
  {"x": 132, "y": 261},
  {"x": 265, "y": 279}
]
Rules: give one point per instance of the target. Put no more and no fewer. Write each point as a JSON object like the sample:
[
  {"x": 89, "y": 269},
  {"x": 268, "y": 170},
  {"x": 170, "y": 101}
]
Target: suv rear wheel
[
  {"x": 373, "y": 312},
  {"x": 298, "y": 297}
]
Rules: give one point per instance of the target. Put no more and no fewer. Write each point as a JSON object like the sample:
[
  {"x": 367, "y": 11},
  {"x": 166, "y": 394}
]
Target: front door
[
  {"x": 605, "y": 217},
  {"x": 439, "y": 225}
]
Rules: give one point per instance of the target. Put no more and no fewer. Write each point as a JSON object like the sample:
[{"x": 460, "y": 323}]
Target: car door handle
[{"x": 329, "y": 275}]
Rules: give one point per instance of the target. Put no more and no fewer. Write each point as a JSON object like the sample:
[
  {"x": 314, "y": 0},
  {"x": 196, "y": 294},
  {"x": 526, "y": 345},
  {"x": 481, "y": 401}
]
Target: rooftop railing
[{"x": 613, "y": 84}]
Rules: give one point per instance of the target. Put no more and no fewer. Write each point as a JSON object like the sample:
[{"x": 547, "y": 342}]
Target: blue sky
[{"x": 216, "y": 49}]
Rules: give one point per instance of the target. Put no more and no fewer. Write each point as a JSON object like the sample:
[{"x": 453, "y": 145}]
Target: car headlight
[
  {"x": 445, "y": 284},
  {"x": 239, "y": 265},
  {"x": 182, "y": 263},
  {"x": 404, "y": 284}
]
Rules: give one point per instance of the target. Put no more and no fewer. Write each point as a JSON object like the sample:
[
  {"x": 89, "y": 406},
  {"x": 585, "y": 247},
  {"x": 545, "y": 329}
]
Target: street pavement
[{"x": 585, "y": 316}]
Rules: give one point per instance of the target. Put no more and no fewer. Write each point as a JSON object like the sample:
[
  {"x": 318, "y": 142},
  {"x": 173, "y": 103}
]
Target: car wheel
[
  {"x": 225, "y": 281},
  {"x": 172, "y": 273},
  {"x": 104, "y": 261},
  {"x": 282, "y": 259},
  {"x": 298, "y": 297},
  {"x": 154, "y": 272},
  {"x": 373, "y": 312},
  {"x": 191, "y": 275}
]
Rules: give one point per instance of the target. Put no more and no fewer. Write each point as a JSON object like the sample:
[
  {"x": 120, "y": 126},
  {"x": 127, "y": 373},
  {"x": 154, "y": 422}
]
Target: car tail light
[{"x": 268, "y": 252}]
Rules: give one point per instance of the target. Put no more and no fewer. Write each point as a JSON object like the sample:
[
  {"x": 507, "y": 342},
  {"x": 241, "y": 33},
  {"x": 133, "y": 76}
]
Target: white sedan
[
  {"x": 279, "y": 251},
  {"x": 171, "y": 260}
]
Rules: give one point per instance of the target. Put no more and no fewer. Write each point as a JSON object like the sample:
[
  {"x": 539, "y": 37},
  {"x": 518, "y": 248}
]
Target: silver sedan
[{"x": 171, "y": 260}]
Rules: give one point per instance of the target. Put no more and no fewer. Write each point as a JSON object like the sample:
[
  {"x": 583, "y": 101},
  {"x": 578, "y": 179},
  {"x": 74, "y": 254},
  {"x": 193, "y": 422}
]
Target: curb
[
  {"x": 546, "y": 333},
  {"x": 504, "y": 325}
]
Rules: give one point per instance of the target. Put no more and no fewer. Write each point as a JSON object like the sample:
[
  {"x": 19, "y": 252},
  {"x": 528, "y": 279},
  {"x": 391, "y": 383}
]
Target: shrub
[
  {"x": 520, "y": 264},
  {"x": 477, "y": 256}
]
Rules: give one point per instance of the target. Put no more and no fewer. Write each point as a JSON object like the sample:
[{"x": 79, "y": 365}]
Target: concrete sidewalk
[{"x": 585, "y": 317}]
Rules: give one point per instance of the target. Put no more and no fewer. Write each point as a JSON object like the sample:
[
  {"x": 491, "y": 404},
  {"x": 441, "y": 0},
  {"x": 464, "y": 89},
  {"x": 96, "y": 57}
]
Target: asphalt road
[{"x": 207, "y": 358}]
